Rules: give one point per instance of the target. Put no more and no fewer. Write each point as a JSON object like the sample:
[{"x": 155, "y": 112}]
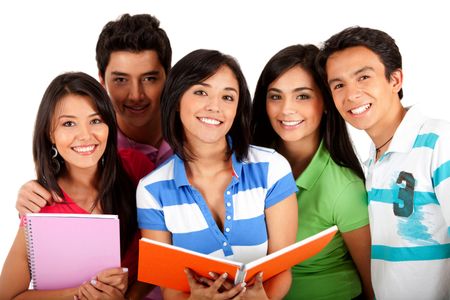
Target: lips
[
  {"x": 291, "y": 123},
  {"x": 136, "y": 108},
  {"x": 84, "y": 150},
  {"x": 210, "y": 121},
  {"x": 361, "y": 109}
]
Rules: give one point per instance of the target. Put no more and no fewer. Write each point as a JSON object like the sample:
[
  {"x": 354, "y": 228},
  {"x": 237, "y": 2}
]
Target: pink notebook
[{"x": 64, "y": 250}]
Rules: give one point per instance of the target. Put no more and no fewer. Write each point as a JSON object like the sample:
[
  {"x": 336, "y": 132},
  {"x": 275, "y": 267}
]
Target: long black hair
[
  {"x": 333, "y": 129},
  {"x": 116, "y": 191}
]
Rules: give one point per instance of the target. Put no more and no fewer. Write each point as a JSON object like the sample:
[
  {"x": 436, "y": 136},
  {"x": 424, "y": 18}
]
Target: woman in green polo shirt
[{"x": 293, "y": 112}]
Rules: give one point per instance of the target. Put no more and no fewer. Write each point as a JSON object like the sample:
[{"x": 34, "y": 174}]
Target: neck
[
  {"x": 81, "y": 186},
  {"x": 208, "y": 159},
  {"x": 382, "y": 134},
  {"x": 299, "y": 153},
  {"x": 149, "y": 134}
]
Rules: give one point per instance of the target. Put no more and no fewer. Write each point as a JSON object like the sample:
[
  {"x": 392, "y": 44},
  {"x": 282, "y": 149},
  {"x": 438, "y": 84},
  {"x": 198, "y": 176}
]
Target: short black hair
[
  {"x": 135, "y": 34},
  {"x": 193, "y": 68},
  {"x": 332, "y": 127},
  {"x": 375, "y": 40}
]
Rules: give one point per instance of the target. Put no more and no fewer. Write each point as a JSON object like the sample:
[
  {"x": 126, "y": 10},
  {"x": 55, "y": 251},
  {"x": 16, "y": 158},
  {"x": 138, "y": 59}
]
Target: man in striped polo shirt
[{"x": 408, "y": 179}]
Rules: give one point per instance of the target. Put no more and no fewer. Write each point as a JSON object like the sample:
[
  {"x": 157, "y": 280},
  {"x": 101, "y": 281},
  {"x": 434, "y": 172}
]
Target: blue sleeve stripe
[
  {"x": 432, "y": 252},
  {"x": 150, "y": 219},
  {"x": 426, "y": 140},
  {"x": 441, "y": 173},
  {"x": 387, "y": 196},
  {"x": 283, "y": 187}
]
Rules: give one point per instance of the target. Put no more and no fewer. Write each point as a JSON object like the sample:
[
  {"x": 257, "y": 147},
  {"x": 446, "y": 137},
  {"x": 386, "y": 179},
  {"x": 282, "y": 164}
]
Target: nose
[
  {"x": 84, "y": 132},
  {"x": 213, "y": 104},
  {"x": 288, "y": 108},
  {"x": 353, "y": 92},
  {"x": 136, "y": 90}
]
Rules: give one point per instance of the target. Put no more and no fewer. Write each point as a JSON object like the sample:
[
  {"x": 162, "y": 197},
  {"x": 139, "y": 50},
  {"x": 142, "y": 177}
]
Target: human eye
[
  {"x": 228, "y": 98},
  {"x": 274, "y": 97},
  {"x": 150, "y": 79},
  {"x": 68, "y": 124},
  {"x": 119, "y": 80},
  {"x": 200, "y": 93},
  {"x": 96, "y": 121},
  {"x": 303, "y": 97},
  {"x": 337, "y": 86},
  {"x": 363, "y": 77}
]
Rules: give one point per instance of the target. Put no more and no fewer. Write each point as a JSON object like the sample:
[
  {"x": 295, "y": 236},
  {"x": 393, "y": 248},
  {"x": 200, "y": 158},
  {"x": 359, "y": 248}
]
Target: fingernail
[
  {"x": 243, "y": 284},
  {"x": 225, "y": 275},
  {"x": 125, "y": 270},
  {"x": 93, "y": 282},
  {"x": 212, "y": 275}
]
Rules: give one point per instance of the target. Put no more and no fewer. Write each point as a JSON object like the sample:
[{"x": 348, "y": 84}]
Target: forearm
[
  {"x": 48, "y": 295},
  {"x": 278, "y": 286},
  {"x": 174, "y": 294},
  {"x": 138, "y": 290}
]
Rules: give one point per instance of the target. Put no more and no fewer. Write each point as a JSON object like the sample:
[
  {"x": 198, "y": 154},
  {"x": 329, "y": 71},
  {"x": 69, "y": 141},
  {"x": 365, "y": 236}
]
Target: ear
[
  {"x": 396, "y": 80},
  {"x": 101, "y": 79}
]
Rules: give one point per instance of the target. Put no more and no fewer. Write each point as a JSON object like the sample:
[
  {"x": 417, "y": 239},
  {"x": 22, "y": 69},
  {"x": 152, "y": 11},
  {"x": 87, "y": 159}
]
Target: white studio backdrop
[{"x": 41, "y": 39}]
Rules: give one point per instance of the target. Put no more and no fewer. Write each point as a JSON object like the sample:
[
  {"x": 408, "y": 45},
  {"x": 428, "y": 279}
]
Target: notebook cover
[{"x": 66, "y": 250}]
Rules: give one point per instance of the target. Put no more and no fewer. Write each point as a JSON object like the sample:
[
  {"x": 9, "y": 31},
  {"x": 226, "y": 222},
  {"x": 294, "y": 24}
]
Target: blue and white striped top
[
  {"x": 166, "y": 201},
  {"x": 409, "y": 211}
]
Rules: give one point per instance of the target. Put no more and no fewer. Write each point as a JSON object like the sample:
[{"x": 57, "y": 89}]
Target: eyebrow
[
  {"x": 74, "y": 117},
  {"x": 357, "y": 72},
  {"x": 208, "y": 85},
  {"x": 299, "y": 89},
  {"x": 118, "y": 73}
]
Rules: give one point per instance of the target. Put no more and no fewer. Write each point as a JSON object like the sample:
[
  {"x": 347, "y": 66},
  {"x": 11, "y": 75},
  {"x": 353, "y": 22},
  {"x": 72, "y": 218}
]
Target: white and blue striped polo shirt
[
  {"x": 166, "y": 201},
  {"x": 409, "y": 210}
]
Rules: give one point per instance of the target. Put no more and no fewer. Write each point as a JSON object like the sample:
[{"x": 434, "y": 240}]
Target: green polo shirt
[{"x": 328, "y": 195}]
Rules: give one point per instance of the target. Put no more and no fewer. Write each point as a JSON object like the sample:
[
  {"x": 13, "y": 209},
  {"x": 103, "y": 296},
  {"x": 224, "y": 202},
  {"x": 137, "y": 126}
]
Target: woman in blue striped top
[{"x": 217, "y": 194}]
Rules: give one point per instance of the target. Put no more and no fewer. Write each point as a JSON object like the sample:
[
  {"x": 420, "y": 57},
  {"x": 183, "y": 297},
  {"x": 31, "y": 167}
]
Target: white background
[{"x": 41, "y": 39}]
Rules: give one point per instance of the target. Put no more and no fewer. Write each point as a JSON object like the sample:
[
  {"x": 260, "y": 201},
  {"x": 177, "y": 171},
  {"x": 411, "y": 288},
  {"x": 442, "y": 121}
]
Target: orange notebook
[{"x": 163, "y": 264}]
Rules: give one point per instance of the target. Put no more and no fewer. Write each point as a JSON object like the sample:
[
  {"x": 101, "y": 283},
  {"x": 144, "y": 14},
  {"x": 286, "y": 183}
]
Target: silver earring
[
  {"x": 55, "y": 162},
  {"x": 102, "y": 161},
  {"x": 54, "y": 152}
]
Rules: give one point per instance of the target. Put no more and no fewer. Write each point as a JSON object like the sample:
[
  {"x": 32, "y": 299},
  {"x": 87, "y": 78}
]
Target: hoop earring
[
  {"x": 54, "y": 152},
  {"x": 55, "y": 162}
]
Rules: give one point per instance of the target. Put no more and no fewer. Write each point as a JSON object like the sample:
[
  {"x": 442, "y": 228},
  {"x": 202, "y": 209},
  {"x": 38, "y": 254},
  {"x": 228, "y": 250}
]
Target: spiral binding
[{"x": 30, "y": 250}]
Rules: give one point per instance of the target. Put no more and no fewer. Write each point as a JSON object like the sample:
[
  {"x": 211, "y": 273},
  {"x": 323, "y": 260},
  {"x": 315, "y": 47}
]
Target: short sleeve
[
  {"x": 150, "y": 213},
  {"x": 350, "y": 210},
  {"x": 280, "y": 180}
]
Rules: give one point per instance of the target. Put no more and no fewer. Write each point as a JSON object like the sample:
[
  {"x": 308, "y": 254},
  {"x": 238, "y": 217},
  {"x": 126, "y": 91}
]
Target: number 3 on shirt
[{"x": 406, "y": 194}]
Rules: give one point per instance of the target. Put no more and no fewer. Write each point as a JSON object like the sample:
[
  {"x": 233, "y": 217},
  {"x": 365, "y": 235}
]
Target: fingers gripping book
[{"x": 163, "y": 264}]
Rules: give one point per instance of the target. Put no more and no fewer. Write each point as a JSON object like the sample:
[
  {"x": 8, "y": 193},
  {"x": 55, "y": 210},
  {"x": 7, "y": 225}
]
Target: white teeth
[
  {"x": 291, "y": 123},
  {"x": 360, "y": 110},
  {"x": 210, "y": 121},
  {"x": 84, "y": 149}
]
